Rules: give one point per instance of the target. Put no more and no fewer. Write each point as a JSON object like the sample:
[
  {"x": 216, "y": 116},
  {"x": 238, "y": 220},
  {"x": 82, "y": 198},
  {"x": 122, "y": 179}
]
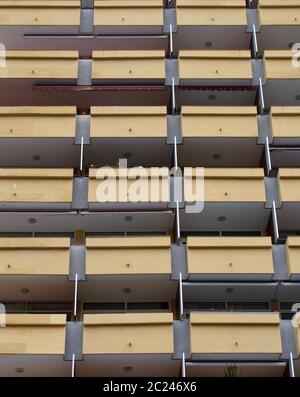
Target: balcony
[
  {"x": 288, "y": 180},
  {"x": 289, "y": 198},
  {"x": 293, "y": 256},
  {"x": 234, "y": 199},
  {"x": 229, "y": 258},
  {"x": 219, "y": 24},
  {"x": 40, "y": 13},
  {"x": 36, "y": 189},
  {"x": 285, "y": 125},
  {"x": 25, "y": 69},
  {"x": 19, "y": 18},
  {"x": 47, "y": 131},
  {"x": 40, "y": 65},
  {"x": 128, "y": 67},
  {"x": 35, "y": 343},
  {"x": 282, "y": 78},
  {"x": 217, "y": 336},
  {"x": 140, "y": 266},
  {"x": 220, "y": 136},
  {"x": 116, "y": 130},
  {"x": 128, "y": 344},
  {"x": 215, "y": 68},
  {"x": 280, "y": 23},
  {"x": 39, "y": 266},
  {"x": 128, "y": 188},
  {"x": 124, "y": 17}
]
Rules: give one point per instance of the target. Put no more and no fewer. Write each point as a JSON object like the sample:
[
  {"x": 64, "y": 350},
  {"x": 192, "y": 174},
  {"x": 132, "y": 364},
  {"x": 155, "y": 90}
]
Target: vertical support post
[
  {"x": 81, "y": 154},
  {"x": 180, "y": 296},
  {"x": 291, "y": 366},
  {"x": 175, "y": 153},
  {"x": 178, "y": 221},
  {"x": 275, "y": 223},
  {"x": 254, "y": 38},
  {"x": 173, "y": 96},
  {"x": 177, "y": 202},
  {"x": 183, "y": 372},
  {"x": 268, "y": 156},
  {"x": 73, "y": 366},
  {"x": 171, "y": 41},
  {"x": 261, "y": 96},
  {"x": 75, "y": 295}
]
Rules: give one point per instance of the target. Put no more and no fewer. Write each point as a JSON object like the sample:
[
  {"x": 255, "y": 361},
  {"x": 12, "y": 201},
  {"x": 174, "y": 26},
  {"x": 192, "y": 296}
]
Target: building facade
[{"x": 149, "y": 188}]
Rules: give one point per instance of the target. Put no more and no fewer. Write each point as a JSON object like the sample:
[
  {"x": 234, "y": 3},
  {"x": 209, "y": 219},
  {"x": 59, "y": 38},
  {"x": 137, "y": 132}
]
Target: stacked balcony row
[
  {"x": 216, "y": 24},
  {"x": 35, "y": 77},
  {"x": 201, "y": 258},
  {"x": 195, "y": 66},
  {"x": 42, "y": 344}
]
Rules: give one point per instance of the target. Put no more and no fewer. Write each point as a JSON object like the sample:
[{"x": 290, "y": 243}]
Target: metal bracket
[
  {"x": 252, "y": 20},
  {"x": 170, "y": 19},
  {"x": 77, "y": 262},
  {"x": 174, "y": 129},
  {"x": 172, "y": 74},
  {"x": 87, "y": 3},
  {"x": 181, "y": 339},
  {"x": 74, "y": 341},
  {"x": 85, "y": 72},
  {"x": 264, "y": 128},
  {"x": 83, "y": 123},
  {"x": 280, "y": 262},
  {"x": 288, "y": 340},
  {"x": 271, "y": 192},
  {"x": 179, "y": 261},
  {"x": 257, "y": 72},
  {"x": 80, "y": 193},
  {"x": 87, "y": 21}
]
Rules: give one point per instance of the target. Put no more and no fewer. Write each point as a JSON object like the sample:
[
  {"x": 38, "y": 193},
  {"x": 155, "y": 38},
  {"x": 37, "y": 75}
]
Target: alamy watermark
[
  {"x": 155, "y": 184},
  {"x": 2, "y": 56},
  {"x": 296, "y": 55},
  {"x": 2, "y": 315}
]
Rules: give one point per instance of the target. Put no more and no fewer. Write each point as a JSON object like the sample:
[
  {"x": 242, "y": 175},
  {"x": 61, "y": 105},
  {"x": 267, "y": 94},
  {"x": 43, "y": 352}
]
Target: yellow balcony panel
[
  {"x": 293, "y": 255},
  {"x": 229, "y": 256},
  {"x": 288, "y": 181},
  {"x": 137, "y": 333},
  {"x": 129, "y": 122},
  {"x": 235, "y": 334},
  {"x": 211, "y": 12},
  {"x": 128, "y": 13},
  {"x": 215, "y": 65},
  {"x": 37, "y": 122},
  {"x": 228, "y": 185},
  {"x": 129, "y": 65},
  {"x": 128, "y": 255},
  {"x": 40, "y": 65},
  {"x": 285, "y": 121},
  {"x": 278, "y": 12},
  {"x": 219, "y": 121},
  {"x": 33, "y": 334},
  {"x": 36, "y": 185},
  {"x": 39, "y": 12},
  {"x": 34, "y": 256},
  {"x": 279, "y": 65},
  {"x": 129, "y": 185}
]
